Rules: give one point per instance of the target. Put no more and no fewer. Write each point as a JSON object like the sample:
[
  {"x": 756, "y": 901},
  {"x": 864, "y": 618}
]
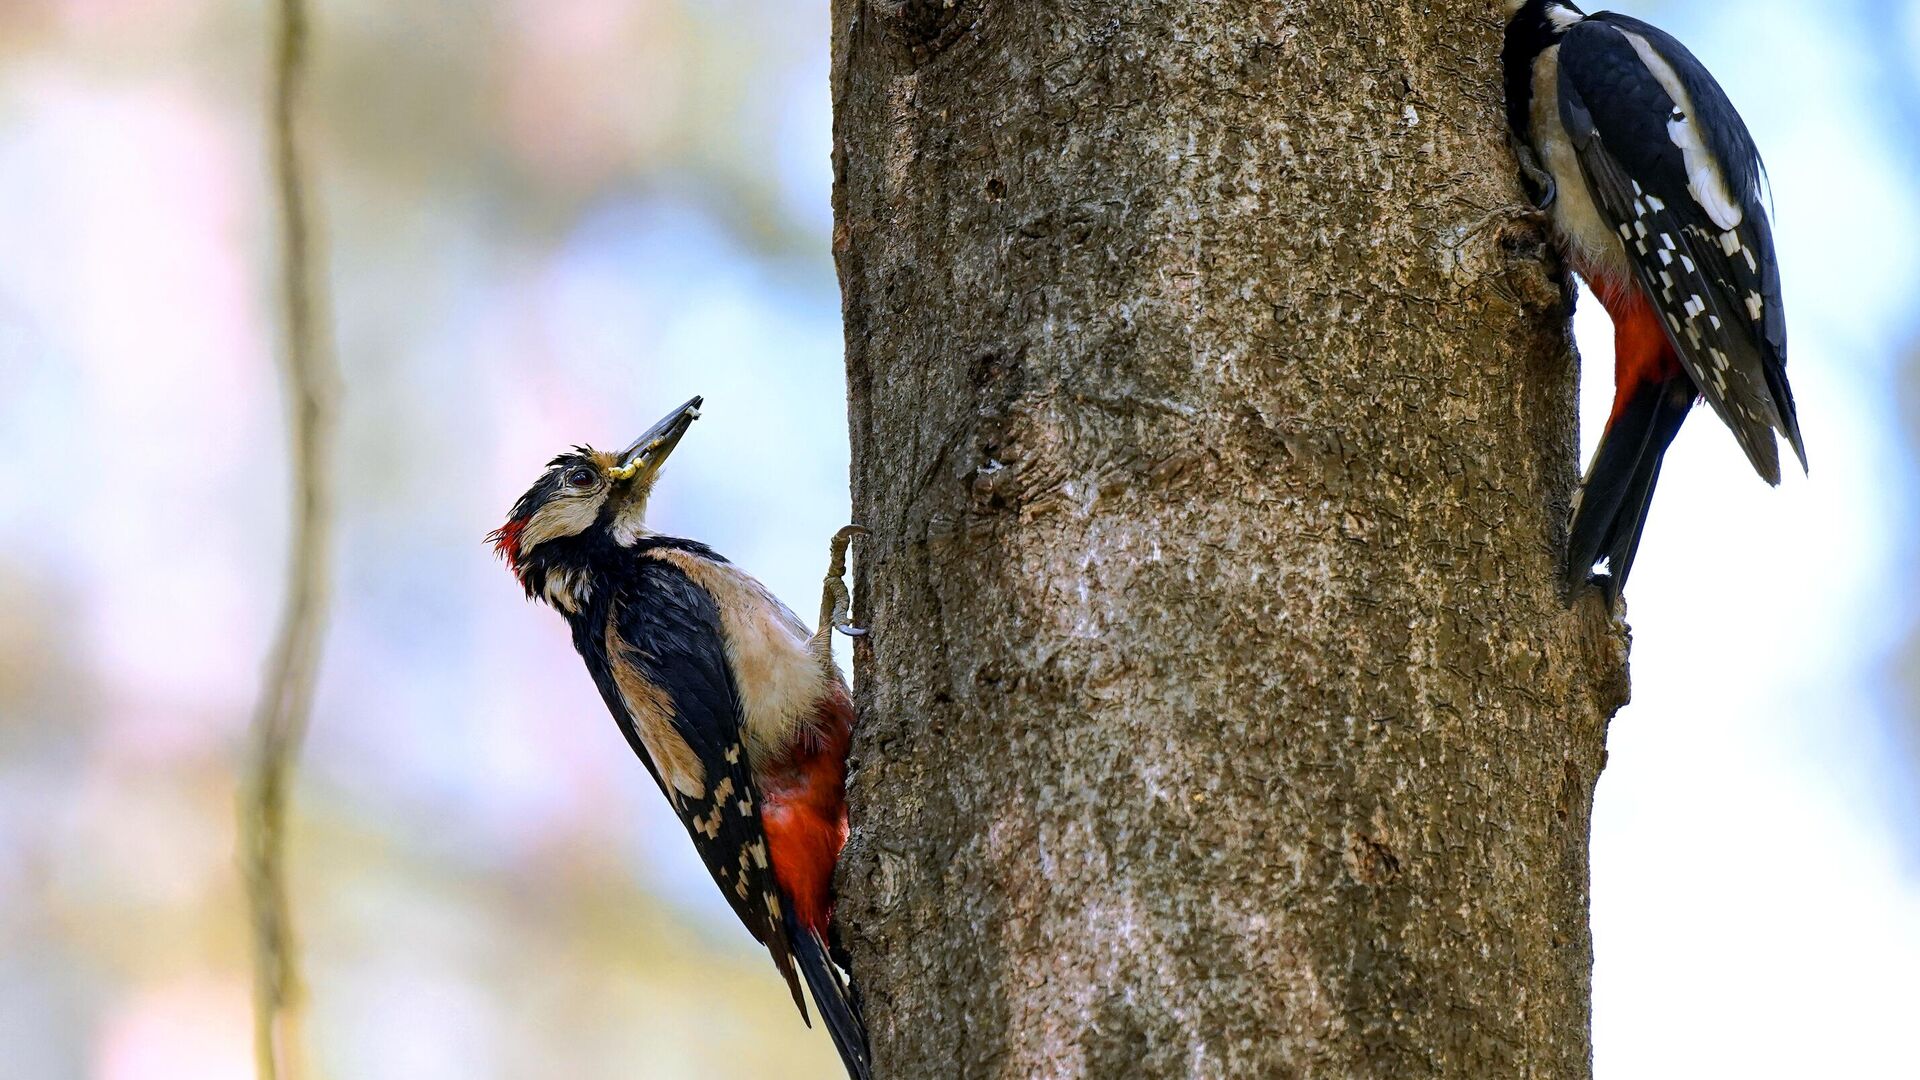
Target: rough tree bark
[{"x": 1213, "y": 410}]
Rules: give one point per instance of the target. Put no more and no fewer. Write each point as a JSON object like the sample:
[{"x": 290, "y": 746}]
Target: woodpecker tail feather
[
  {"x": 1611, "y": 509},
  {"x": 839, "y": 1005},
  {"x": 1789, "y": 414}
]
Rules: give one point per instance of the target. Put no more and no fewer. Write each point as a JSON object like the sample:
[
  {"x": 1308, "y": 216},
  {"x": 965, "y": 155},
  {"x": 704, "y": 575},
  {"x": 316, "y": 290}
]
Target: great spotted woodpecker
[
  {"x": 1653, "y": 186},
  {"x": 736, "y": 708}
]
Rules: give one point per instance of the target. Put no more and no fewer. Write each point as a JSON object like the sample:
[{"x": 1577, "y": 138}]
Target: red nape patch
[{"x": 506, "y": 542}]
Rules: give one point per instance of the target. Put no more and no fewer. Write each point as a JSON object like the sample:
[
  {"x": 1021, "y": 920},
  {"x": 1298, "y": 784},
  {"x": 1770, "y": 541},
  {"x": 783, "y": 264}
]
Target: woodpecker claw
[
  {"x": 836, "y": 600},
  {"x": 1539, "y": 180}
]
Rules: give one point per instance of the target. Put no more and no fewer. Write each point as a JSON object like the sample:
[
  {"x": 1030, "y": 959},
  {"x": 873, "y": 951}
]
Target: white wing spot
[
  {"x": 1705, "y": 181},
  {"x": 1730, "y": 242},
  {"x": 1561, "y": 16},
  {"x": 1687, "y": 263},
  {"x": 1755, "y": 306}
]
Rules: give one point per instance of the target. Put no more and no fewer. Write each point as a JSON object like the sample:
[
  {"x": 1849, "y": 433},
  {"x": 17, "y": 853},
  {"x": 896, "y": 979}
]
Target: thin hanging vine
[{"x": 281, "y": 717}]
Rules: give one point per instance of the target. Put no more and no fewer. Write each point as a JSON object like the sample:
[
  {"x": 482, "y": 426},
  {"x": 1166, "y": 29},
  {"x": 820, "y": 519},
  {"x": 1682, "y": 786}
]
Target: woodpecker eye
[{"x": 581, "y": 478}]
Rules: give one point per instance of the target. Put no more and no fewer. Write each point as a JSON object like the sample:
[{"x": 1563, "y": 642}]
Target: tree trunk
[{"x": 1213, "y": 410}]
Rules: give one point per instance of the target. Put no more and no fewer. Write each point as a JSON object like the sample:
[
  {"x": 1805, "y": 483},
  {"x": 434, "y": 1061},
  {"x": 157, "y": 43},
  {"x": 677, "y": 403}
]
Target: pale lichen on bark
[{"x": 1213, "y": 411}]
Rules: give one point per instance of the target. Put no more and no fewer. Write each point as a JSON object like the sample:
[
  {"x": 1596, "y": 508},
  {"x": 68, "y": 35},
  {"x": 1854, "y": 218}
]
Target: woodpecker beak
[{"x": 650, "y": 451}]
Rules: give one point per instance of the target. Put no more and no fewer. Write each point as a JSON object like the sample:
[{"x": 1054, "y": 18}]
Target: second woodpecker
[
  {"x": 733, "y": 705},
  {"x": 1654, "y": 188}
]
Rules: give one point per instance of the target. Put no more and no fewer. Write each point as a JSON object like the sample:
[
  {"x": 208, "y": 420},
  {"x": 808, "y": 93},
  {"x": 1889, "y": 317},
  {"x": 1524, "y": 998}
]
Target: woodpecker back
[
  {"x": 734, "y": 707},
  {"x": 1654, "y": 187}
]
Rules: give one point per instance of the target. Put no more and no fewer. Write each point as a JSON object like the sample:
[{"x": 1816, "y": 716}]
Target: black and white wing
[
  {"x": 666, "y": 677},
  {"x": 1675, "y": 172}
]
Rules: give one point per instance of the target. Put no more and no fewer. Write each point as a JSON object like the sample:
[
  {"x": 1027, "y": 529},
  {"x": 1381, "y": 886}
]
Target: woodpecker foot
[
  {"x": 1549, "y": 190},
  {"x": 836, "y": 601},
  {"x": 1540, "y": 185}
]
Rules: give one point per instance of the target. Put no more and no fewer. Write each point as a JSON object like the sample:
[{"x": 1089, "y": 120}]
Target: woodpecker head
[
  {"x": 1549, "y": 17},
  {"x": 587, "y": 502}
]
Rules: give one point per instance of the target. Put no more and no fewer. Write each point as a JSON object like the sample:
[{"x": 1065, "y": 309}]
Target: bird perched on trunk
[
  {"x": 1653, "y": 186},
  {"x": 735, "y": 707}
]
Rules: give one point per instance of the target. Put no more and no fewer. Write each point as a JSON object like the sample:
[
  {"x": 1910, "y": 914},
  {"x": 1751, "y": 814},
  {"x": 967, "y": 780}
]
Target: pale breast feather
[
  {"x": 1579, "y": 222},
  {"x": 781, "y": 682}
]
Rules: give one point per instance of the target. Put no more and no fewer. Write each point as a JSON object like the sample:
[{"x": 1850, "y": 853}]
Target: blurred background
[{"x": 549, "y": 220}]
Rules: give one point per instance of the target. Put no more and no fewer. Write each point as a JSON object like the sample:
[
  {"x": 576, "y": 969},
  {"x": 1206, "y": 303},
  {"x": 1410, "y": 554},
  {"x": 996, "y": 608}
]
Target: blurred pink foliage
[{"x": 488, "y": 885}]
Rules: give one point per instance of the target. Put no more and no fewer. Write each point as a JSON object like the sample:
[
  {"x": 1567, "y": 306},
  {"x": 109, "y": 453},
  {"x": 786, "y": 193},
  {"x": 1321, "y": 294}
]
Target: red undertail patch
[
  {"x": 804, "y": 813},
  {"x": 1642, "y": 353}
]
